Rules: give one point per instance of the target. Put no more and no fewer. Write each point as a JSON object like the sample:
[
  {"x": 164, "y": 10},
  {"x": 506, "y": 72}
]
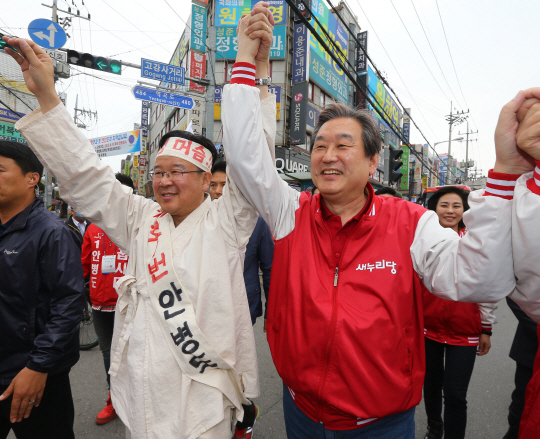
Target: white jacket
[
  {"x": 150, "y": 393},
  {"x": 525, "y": 243}
]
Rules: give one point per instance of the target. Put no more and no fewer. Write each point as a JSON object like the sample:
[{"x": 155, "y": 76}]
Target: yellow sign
[
  {"x": 424, "y": 181},
  {"x": 20, "y": 86},
  {"x": 135, "y": 161}
]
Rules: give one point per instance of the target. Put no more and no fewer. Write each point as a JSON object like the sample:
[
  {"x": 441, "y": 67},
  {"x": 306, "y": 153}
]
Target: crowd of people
[{"x": 372, "y": 299}]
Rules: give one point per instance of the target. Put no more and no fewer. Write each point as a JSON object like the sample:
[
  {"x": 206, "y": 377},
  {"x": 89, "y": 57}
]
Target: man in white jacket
[{"x": 183, "y": 360}]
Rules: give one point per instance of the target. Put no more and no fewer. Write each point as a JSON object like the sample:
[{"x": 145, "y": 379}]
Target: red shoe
[
  {"x": 107, "y": 414},
  {"x": 246, "y": 433}
]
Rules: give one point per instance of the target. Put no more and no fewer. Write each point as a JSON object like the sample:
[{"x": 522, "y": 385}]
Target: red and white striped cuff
[
  {"x": 501, "y": 185},
  {"x": 534, "y": 183},
  {"x": 486, "y": 327},
  {"x": 243, "y": 73}
]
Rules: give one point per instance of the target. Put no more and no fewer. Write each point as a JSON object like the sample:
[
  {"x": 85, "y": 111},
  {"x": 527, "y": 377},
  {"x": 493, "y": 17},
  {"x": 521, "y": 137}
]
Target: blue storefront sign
[
  {"x": 198, "y": 28},
  {"x": 300, "y": 54},
  {"x": 10, "y": 115},
  {"x": 162, "y": 72},
  {"x": 383, "y": 100},
  {"x": 326, "y": 77}
]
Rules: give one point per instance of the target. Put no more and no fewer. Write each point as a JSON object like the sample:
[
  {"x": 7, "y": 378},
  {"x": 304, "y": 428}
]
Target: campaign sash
[{"x": 192, "y": 351}]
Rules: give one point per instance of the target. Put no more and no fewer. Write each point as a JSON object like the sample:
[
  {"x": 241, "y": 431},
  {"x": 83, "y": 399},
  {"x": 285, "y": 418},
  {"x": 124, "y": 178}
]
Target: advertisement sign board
[
  {"x": 122, "y": 143},
  {"x": 197, "y": 69},
  {"x": 8, "y": 132},
  {"x": 10, "y": 115},
  {"x": 323, "y": 70},
  {"x": 404, "y": 183},
  {"x": 289, "y": 161},
  {"x": 180, "y": 51},
  {"x": 361, "y": 59},
  {"x": 325, "y": 76},
  {"x": 312, "y": 116},
  {"x": 299, "y": 113},
  {"x": 227, "y": 42},
  {"x": 198, "y": 28},
  {"x": 383, "y": 100},
  {"x": 300, "y": 54},
  {"x": 229, "y": 12},
  {"x": 144, "y": 124}
]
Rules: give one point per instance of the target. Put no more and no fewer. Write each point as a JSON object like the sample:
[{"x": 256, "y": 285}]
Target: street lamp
[{"x": 457, "y": 139}]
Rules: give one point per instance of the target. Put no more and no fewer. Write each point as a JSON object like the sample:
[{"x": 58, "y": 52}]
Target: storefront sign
[
  {"x": 299, "y": 113},
  {"x": 198, "y": 28},
  {"x": 361, "y": 59},
  {"x": 227, "y": 42},
  {"x": 300, "y": 54},
  {"x": 197, "y": 70}
]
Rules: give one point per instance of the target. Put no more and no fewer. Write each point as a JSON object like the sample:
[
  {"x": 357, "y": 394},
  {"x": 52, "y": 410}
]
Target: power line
[
  {"x": 10, "y": 109},
  {"x": 397, "y": 71},
  {"x": 18, "y": 97},
  {"x": 418, "y": 50},
  {"x": 352, "y": 77},
  {"x": 432, "y": 51},
  {"x": 145, "y": 47},
  {"x": 452, "y": 59}
]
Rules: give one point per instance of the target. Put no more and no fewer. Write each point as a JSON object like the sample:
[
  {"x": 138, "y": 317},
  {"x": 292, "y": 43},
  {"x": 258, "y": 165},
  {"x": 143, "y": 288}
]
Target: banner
[
  {"x": 383, "y": 100},
  {"x": 299, "y": 113},
  {"x": 300, "y": 54},
  {"x": 144, "y": 125},
  {"x": 198, "y": 28},
  {"x": 404, "y": 183},
  {"x": 361, "y": 59},
  {"x": 197, "y": 70},
  {"x": 9, "y": 133},
  {"x": 123, "y": 143}
]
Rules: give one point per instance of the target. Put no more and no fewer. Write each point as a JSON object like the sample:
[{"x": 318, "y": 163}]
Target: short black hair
[
  {"x": 125, "y": 180},
  {"x": 201, "y": 140},
  {"x": 23, "y": 156},
  {"x": 386, "y": 190},
  {"x": 434, "y": 200},
  {"x": 219, "y": 166}
]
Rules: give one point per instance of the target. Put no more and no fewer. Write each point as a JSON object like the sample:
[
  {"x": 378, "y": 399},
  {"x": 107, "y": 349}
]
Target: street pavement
[{"x": 488, "y": 397}]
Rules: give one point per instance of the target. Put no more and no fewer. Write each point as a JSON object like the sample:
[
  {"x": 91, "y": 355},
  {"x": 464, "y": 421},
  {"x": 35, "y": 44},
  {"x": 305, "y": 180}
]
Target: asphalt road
[{"x": 489, "y": 391}]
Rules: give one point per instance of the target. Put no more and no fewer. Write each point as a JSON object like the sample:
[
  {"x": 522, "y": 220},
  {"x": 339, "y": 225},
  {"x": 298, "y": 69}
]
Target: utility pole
[
  {"x": 453, "y": 119},
  {"x": 467, "y": 151},
  {"x": 83, "y": 112},
  {"x": 210, "y": 89}
]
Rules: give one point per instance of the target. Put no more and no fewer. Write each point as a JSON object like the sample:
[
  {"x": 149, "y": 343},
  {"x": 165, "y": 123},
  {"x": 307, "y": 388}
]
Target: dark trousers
[
  {"x": 54, "y": 417},
  {"x": 521, "y": 379},
  {"x": 104, "y": 326},
  {"x": 448, "y": 372}
]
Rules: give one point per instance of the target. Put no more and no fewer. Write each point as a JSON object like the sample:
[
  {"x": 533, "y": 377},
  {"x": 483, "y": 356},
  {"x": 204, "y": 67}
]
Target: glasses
[{"x": 171, "y": 175}]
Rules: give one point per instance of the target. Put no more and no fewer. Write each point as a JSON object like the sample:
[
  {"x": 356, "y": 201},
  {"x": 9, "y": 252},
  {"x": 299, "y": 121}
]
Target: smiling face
[
  {"x": 450, "y": 211},
  {"x": 180, "y": 198},
  {"x": 339, "y": 166}
]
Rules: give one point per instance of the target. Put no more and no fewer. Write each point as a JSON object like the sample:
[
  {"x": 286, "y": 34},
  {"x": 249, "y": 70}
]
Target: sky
[{"x": 488, "y": 55}]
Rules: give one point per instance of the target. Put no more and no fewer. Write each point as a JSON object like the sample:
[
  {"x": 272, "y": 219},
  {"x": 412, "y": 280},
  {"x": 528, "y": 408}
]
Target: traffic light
[
  {"x": 305, "y": 8},
  {"x": 392, "y": 165},
  {"x": 94, "y": 62},
  {"x": 4, "y": 44}
]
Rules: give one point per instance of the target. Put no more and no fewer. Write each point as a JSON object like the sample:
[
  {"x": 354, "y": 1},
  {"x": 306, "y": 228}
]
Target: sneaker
[
  {"x": 108, "y": 413},
  {"x": 246, "y": 433},
  {"x": 434, "y": 431}
]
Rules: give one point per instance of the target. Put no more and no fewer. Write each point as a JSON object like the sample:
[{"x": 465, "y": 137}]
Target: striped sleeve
[
  {"x": 501, "y": 185},
  {"x": 243, "y": 73},
  {"x": 534, "y": 183}
]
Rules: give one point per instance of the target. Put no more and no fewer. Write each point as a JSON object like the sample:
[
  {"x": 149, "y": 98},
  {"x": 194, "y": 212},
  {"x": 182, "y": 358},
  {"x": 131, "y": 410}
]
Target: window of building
[{"x": 311, "y": 91}]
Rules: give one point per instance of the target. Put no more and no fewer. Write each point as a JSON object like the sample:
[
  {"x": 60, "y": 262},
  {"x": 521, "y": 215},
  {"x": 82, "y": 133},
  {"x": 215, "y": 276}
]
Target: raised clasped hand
[
  {"x": 528, "y": 133},
  {"x": 512, "y": 159},
  {"x": 255, "y": 35}
]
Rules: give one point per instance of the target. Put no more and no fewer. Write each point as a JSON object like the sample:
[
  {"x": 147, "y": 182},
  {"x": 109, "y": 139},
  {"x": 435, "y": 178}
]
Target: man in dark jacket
[
  {"x": 523, "y": 352},
  {"x": 78, "y": 224},
  {"x": 41, "y": 303}
]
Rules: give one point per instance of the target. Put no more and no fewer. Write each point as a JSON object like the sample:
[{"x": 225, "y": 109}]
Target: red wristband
[
  {"x": 243, "y": 73},
  {"x": 501, "y": 185},
  {"x": 534, "y": 183}
]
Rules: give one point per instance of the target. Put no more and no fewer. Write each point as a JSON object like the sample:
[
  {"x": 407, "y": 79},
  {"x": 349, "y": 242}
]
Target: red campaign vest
[
  {"x": 354, "y": 351},
  {"x": 96, "y": 243},
  {"x": 454, "y": 323},
  {"x": 529, "y": 426}
]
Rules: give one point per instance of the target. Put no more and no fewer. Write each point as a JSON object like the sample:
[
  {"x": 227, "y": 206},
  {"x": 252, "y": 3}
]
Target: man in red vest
[{"x": 103, "y": 263}]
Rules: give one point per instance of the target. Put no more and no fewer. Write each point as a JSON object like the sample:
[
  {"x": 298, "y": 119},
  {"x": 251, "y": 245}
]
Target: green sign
[
  {"x": 404, "y": 186},
  {"x": 9, "y": 133}
]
